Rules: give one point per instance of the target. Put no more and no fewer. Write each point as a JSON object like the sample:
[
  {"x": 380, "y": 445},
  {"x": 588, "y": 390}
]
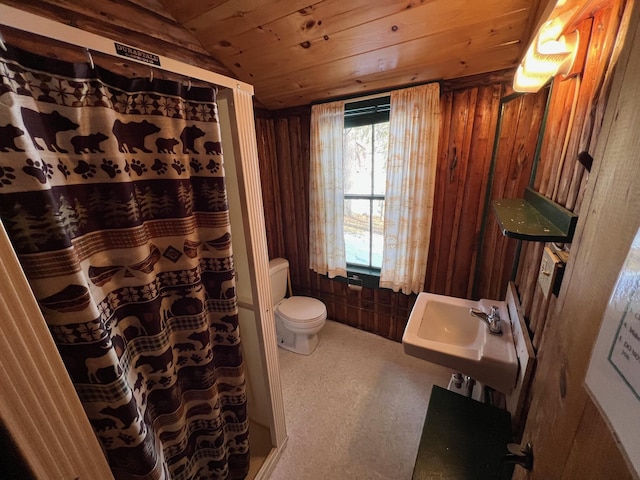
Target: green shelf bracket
[{"x": 534, "y": 218}]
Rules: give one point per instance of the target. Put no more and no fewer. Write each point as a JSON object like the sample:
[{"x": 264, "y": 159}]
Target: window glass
[
  {"x": 357, "y": 159},
  {"x": 380, "y": 154},
  {"x": 365, "y": 173},
  {"x": 377, "y": 233},
  {"x": 357, "y": 231},
  {"x": 363, "y": 232}
]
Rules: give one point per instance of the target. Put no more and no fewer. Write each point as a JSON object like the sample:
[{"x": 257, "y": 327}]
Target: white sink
[{"x": 442, "y": 330}]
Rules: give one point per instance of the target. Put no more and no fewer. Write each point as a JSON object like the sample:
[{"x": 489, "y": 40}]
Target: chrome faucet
[{"x": 492, "y": 319}]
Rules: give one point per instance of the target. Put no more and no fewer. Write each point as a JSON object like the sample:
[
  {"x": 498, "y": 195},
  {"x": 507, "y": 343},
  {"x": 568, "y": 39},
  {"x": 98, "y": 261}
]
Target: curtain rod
[
  {"x": 28, "y": 22},
  {"x": 350, "y": 99},
  {"x": 368, "y": 97}
]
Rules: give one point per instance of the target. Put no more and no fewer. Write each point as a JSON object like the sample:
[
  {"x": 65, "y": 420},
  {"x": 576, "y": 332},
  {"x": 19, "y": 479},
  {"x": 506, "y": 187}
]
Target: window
[
  {"x": 346, "y": 171},
  {"x": 366, "y": 145}
]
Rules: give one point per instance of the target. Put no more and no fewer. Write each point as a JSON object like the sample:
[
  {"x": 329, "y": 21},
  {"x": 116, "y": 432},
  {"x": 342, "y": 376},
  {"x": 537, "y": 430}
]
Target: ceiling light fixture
[{"x": 550, "y": 53}]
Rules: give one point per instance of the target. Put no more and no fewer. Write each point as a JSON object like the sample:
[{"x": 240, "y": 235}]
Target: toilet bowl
[{"x": 298, "y": 318}]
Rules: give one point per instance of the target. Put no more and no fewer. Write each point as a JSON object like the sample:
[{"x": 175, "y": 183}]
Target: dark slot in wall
[{"x": 12, "y": 464}]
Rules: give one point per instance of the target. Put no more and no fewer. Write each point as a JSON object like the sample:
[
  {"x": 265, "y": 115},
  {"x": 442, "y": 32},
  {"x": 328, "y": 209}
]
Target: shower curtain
[{"x": 112, "y": 192}]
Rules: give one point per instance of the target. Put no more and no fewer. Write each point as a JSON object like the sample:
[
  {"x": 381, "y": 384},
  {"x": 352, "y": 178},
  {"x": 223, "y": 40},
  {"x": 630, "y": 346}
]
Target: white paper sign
[{"x": 613, "y": 377}]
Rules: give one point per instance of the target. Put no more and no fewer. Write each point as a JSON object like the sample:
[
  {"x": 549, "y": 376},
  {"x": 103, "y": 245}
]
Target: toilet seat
[{"x": 302, "y": 310}]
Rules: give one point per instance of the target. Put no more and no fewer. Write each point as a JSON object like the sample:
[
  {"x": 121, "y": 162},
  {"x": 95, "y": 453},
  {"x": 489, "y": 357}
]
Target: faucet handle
[{"x": 495, "y": 326}]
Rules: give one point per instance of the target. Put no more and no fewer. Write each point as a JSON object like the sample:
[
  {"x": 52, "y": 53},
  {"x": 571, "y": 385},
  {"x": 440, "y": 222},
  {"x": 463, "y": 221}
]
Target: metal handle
[{"x": 519, "y": 455}]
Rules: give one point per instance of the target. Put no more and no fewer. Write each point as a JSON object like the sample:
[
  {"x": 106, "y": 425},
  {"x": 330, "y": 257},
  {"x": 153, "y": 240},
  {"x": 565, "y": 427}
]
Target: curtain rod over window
[
  {"x": 349, "y": 99},
  {"x": 21, "y": 20},
  {"x": 368, "y": 97}
]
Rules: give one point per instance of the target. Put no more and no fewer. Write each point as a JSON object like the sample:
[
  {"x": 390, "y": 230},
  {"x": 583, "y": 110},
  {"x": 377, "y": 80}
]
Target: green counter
[{"x": 462, "y": 439}]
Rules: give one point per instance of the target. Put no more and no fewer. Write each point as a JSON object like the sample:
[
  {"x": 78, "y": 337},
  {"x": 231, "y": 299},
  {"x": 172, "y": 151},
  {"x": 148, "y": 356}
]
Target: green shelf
[{"x": 534, "y": 218}]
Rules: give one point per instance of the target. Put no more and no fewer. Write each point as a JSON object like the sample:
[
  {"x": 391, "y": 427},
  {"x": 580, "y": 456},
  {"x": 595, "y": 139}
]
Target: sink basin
[{"x": 442, "y": 330}]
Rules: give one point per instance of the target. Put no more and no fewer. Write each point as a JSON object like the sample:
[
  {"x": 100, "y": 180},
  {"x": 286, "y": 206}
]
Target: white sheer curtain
[
  {"x": 411, "y": 170},
  {"x": 326, "y": 204}
]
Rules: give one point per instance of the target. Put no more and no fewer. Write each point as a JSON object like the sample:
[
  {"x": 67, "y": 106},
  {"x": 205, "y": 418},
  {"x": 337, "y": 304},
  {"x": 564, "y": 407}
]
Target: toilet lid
[{"x": 302, "y": 309}]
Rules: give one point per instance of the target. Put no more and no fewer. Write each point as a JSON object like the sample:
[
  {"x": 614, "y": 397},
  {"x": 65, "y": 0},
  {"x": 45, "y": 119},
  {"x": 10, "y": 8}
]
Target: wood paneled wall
[
  {"x": 469, "y": 257},
  {"x": 515, "y": 151},
  {"x": 573, "y": 126},
  {"x": 570, "y": 437},
  {"x": 468, "y": 124},
  {"x": 468, "y": 127},
  {"x": 465, "y": 258},
  {"x": 283, "y": 150}
]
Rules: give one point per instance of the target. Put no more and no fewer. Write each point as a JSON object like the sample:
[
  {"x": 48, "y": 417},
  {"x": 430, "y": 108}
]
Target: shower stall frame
[{"x": 38, "y": 406}]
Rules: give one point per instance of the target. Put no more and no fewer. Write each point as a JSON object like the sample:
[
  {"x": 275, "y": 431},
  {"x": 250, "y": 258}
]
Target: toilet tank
[{"x": 278, "y": 269}]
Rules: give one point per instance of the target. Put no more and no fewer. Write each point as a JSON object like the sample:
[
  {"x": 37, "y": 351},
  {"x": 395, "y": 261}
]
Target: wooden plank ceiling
[{"x": 296, "y": 52}]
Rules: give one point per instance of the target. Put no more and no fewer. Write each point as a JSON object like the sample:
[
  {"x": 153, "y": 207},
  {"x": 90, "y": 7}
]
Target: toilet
[{"x": 298, "y": 319}]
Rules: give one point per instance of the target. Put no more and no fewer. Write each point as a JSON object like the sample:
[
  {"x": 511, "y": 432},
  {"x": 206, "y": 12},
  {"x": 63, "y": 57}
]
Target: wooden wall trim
[
  {"x": 145, "y": 28},
  {"x": 482, "y": 80},
  {"x": 83, "y": 39},
  {"x": 247, "y": 168},
  {"x": 39, "y": 406}
]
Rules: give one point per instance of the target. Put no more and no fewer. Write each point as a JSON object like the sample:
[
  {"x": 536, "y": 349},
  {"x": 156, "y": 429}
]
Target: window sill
[{"x": 367, "y": 277}]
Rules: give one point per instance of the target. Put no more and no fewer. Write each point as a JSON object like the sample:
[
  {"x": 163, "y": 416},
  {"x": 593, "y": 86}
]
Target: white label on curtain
[
  {"x": 137, "y": 54},
  {"x": 613, "y": 377}
]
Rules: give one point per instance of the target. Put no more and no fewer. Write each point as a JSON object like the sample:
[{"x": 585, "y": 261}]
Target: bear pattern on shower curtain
[{"x": 112, "y": 192}]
